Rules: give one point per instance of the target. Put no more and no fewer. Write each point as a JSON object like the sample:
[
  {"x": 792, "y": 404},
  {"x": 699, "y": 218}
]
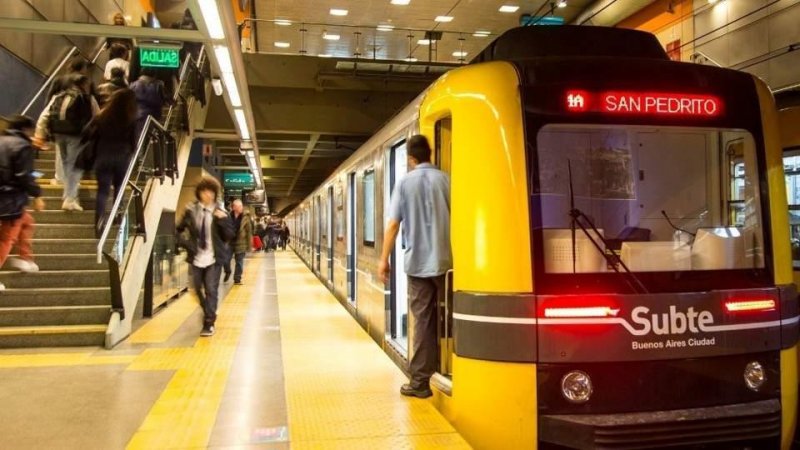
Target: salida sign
[
  {"x": 644, "y": 103},
  {"x": 159, "y": 57}
]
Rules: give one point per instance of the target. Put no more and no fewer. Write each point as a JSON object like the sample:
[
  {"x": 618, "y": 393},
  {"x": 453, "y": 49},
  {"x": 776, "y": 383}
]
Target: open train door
[{"x": 442, "y": 158}]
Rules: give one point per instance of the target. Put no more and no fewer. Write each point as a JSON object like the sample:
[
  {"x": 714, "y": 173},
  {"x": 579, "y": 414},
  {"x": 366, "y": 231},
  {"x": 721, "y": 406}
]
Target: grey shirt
[
  {"x": 421, "y": 201},
  {"x": 204, "y": 257}
]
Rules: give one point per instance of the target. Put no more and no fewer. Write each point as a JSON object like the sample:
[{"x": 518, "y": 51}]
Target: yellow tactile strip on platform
[
  {"x": 185, "y": 413},
  {"x": 342, "y": 390}
]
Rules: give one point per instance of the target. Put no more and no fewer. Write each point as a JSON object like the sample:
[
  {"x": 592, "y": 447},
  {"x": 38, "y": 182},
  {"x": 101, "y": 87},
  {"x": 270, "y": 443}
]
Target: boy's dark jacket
[{"x": 222, "y": 233}]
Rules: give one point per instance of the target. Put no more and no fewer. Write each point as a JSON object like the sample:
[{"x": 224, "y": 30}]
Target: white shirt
[
  {"x": 114, "y": 63},
  {"x": 204, "y": 257}
]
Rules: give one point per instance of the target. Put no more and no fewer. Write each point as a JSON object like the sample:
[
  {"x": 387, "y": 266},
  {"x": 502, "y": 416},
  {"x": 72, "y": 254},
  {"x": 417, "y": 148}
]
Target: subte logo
[
  {"x": 577, "y": 101},
  {"x": 673, "y": 322}
]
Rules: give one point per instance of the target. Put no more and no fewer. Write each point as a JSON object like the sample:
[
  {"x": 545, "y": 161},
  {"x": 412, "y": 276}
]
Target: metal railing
[
  {"x": 49, "y": 81},
  {"x": 697, "y": 56},
  {"x": 155, "y": 157}
]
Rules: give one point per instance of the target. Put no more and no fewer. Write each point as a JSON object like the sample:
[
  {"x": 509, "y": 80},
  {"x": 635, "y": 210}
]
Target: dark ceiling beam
[{"x": 310, "y": 148}]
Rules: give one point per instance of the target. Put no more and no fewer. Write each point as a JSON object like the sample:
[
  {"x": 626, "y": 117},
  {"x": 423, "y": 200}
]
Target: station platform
[{"x": 287, "y": 368}]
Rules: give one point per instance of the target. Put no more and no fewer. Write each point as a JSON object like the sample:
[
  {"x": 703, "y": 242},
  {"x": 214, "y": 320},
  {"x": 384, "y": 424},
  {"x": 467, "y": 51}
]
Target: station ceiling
[{"x": 316, "y": 100}]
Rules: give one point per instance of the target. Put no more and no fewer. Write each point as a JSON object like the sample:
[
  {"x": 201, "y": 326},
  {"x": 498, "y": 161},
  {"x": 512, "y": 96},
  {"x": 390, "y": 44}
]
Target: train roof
[{"x": 525, "y": 43}]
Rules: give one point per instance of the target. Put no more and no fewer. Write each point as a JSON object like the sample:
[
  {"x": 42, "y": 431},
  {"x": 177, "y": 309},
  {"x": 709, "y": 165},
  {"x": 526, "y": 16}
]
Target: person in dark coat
[
  {"x": 112, "y": 136},
  {"x": 116, "y": 83},
  {"x": 205, "y": 231},
  {"x": 17, "y": 182},
  {"x": 150, "y": 96}
]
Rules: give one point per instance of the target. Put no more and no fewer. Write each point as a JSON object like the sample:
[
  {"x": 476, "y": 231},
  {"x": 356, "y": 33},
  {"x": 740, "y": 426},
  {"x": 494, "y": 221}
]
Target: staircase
[{"x": 67, "y": 303}]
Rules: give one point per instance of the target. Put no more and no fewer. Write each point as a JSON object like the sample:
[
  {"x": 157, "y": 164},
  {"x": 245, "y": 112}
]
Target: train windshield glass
[{"x": 649, "y": 199}]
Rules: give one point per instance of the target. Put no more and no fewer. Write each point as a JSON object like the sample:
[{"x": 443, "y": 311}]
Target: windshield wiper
[{"x": 612, "y": 259}]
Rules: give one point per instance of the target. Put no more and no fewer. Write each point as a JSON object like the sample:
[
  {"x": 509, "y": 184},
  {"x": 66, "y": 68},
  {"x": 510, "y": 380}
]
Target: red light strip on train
[
  {"x": 749, "y": 306},
  {"x": 643, "y": 103},
  {"x": 589, "y": 311}
]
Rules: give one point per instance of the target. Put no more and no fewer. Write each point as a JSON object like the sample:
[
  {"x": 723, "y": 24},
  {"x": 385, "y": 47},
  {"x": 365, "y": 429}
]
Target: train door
[
  {"x": 351, "y": 237},
  {"x": 789, "y": 119},
  {"x": 443, "y": 158},
  {"x": 318, "y": 234},
  {"x": 398, "y": 290},
  {"x": 329, "y": 231}
]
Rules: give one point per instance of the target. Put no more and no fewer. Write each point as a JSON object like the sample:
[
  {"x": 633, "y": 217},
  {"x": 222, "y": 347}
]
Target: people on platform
[
  {"x": 204, "y": 232},
  {"x": 242, "y": 242},
  {"x": 17, "y": 184},
  {"x": 109, "y": 142},
  {"x": 118, "y": 59},
  {"x": 63, "y": 120},
  {"x": 285, "y": 234},
  {"x": 421, "y": 202}
]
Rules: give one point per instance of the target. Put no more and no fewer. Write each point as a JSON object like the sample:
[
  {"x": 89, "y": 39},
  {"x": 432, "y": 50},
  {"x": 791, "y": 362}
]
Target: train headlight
[
  {"x": 754, "y": 375},
  {"x": 576, "y": 386}
]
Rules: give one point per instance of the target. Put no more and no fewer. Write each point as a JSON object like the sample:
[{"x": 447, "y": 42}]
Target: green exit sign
[
  {"x": 159, "y": 57},
  {"x": 239, "y": 180}
]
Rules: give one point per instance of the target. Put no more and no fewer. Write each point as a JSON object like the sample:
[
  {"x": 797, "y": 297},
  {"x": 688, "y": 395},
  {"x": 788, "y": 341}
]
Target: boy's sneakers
[
  {"x": 23, "y": 265},
  {"x": 208, "y": 330}
]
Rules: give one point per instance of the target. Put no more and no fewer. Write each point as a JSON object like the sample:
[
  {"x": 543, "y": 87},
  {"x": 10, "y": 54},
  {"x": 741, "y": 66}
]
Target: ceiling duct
[{"x": 609, "y": 12}]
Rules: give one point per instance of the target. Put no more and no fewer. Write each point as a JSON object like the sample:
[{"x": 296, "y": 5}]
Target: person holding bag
[{"x": 17, "y": 182}]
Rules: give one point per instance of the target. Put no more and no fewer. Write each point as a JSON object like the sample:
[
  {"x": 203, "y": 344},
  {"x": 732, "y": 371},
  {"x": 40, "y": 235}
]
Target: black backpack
[{"x": 70, "y": 111}]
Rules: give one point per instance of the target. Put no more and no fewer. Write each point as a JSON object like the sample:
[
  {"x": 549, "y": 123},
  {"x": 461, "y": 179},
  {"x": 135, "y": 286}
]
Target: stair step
[
  {"x": 54, "y": 315},
  {"x": 55, "y": 278},
  {"x": 54, "y": 261},
  {"x": 63, "y": 231},
  {"x": 53, "y": 336},
  {"x": 98, "y": 296},
  {"x": 68, "y": 246},
  {"x": 86, "y": 201},
  {"x": 56, "y": 190},
  {"x": 46, "y": 155},
  {"x": 84, "y": 184},
  {"x": 64, "y": 217}
]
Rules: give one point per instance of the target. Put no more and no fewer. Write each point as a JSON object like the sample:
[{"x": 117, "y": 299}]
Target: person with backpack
[
  {"x": 17, "y": 183},
  {"x": 150, "y": 96},
  {"x": 116, "y": 83},
  {"x": 110, "y": 142},
  {"x": 63, "y": 119}
]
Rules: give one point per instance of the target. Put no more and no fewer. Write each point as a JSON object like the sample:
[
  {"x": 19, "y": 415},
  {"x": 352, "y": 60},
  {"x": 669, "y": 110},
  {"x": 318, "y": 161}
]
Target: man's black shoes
[{"x": 410, "y": 391}]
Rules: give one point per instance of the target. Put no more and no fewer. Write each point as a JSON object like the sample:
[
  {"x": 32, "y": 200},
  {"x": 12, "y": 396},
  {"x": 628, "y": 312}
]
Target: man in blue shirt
[{"x": 421, "y": 201}]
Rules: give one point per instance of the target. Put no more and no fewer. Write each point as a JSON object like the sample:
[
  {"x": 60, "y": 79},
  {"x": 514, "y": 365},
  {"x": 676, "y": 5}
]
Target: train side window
[
  {"x": 369, "y": 208},
  {"x": 443, "y": 136},
  {"x": 791, "y": 170}
]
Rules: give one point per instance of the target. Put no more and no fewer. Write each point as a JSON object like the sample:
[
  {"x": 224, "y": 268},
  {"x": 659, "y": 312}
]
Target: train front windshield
[{"x": 644, "y": 199}]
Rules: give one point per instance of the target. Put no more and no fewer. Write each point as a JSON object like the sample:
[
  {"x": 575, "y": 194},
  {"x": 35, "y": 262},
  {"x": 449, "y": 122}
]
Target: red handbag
[{"x": 257, "y": 243}]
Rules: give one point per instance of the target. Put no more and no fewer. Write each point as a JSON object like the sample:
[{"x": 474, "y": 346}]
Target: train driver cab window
[
  {"x": 658, "y": 199},
  {"x": 791, "y": 169},
  {"x": 369, "y": 208}
]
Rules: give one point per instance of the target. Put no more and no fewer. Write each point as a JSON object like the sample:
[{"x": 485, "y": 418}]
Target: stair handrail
[
  {"x": 700, "y": 54},
  {"x": 50, "y": 79}
]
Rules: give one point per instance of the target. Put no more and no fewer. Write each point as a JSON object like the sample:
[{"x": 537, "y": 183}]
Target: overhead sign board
[
  {"x": 161, "y": 57},
  {"x": 644, "y": 103},
  {"x": 527, "y": 20},
  {"x": 242, "y": 180}
]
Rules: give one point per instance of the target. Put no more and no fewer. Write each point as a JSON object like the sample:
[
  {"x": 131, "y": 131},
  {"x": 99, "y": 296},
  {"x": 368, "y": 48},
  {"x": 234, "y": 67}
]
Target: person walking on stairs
[
  {"x": 17, "y": 183},
  {"x": 204, "y": 232},
  {"x": 243, "y": 225}
]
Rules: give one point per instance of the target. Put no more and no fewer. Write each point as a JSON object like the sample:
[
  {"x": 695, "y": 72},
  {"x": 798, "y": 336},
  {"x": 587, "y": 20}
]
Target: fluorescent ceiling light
[
  {"x": 338, "y": 12},
  {"x": 385, "y": 28},
  {"x": 444, "y": 19},
  {"x": 562, "y": 3},
  {"x": 282, "y": 44},
  {"x": 283, "y": 22},
  {"x": 325, "y": 55},
  {"x": 210, "y": 12},
  {"x": 424, "y": 42},
  {"x": 411, "y": 59},
  {"x": 458, "y": 54},
  {"x": 481, "y": 33},
  {"x": 223, "y": 58},
  {"x": 508, "y": 8},
  {"x": 330, "y": 37},
  {"x": 233, "y": 90},
  {"x": 400, "y": 2},
  {"x": 241, "y": 121}
]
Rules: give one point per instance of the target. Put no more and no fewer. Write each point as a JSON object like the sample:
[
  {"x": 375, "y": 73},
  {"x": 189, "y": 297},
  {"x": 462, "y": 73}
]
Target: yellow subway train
[{"x": 622, "y": 270}]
